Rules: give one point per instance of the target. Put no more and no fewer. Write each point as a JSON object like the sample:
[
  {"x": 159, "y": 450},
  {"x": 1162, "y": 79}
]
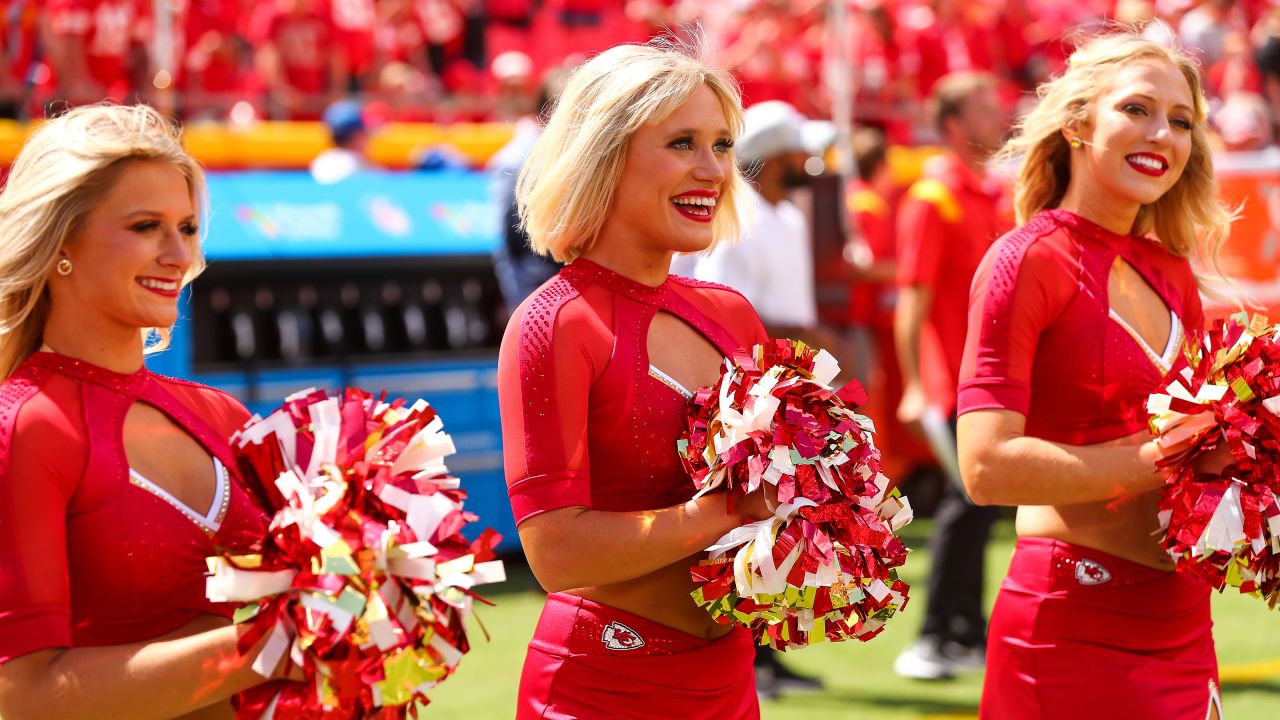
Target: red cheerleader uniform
[
  {"x": 578, "y": 391},
  {"x": 92, "y": 553},
  {"x": 1075, "y": 629}
]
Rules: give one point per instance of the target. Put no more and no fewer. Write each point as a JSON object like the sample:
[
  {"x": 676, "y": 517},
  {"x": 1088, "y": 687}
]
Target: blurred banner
[{"x": 287, "y": 215}]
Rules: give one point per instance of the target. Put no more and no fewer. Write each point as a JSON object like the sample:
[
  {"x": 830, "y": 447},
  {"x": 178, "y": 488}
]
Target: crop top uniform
[
  {"x": 1072, "y": 622},
  {"x": 578, "y": 392},
  {"x": 590, "y": 421},
  {"x": 91, "y": 552}
]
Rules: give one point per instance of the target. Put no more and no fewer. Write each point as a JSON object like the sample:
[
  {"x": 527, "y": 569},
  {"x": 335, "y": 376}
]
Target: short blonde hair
[
  {"x": 565, "y": 189},
  {"x": 64, "y": 171},
  {"x": 1188, "y": 217}
]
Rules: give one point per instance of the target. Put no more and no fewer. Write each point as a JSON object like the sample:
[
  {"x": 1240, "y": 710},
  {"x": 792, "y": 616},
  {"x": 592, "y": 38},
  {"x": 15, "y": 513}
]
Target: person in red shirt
[
  {"x": 594, "y": 377},
  {"x": 1236, "y": 72},
  {"x": 97, "y": 47},
  {"x": 1075, "y": 318},
  {"x": 773, "y": 54},
  {"x": 886, "y": 96},
  {"x": 20, "y": 21},
  {"x": 295, "y": 57},
  {"x": 945, "y": 223},
  {"x": 937, "y": 38},
  {"x": 354, "y": 24},
  {"x": 870, "y": 201},
  {"x": 211, "y": 79},
  {"x": 115, "y": 483}
]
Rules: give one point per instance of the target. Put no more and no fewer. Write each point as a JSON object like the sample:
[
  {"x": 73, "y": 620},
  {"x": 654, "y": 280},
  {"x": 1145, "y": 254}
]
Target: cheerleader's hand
[
  {"x": 760, "y": 504},
  {"x": 1214, "y": 462}
]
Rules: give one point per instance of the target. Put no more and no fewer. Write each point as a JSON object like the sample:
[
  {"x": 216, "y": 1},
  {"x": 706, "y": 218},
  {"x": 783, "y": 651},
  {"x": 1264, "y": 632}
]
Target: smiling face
[
  {"x": 1140, "y": 139},
  {"x": 130, "y": 254},
  {"x": 672, "y": 177}
]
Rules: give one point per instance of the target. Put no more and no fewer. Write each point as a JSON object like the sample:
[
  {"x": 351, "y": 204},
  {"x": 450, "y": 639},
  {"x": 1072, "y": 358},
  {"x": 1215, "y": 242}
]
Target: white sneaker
[
  {"x": 963, "y": 659},
  {"x": 924, "y": 660}
]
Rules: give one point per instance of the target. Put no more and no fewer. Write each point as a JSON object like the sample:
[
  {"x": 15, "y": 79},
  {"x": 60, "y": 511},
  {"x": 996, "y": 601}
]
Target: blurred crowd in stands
[{"x": 464, "y": 60}]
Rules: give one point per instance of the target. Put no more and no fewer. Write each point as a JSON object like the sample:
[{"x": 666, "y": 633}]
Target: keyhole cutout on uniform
[
  {"x": 1142, "y": 313},
  {"x": 163, "y": 455},
  {"x": 681, "y": 353}
]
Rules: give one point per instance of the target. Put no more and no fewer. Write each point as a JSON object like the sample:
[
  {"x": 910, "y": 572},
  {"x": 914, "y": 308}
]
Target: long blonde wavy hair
[
  {"x": 66, "y": 168},
  {"x": 1189, "y": 217},
  {"x": 565, "y": 188}
]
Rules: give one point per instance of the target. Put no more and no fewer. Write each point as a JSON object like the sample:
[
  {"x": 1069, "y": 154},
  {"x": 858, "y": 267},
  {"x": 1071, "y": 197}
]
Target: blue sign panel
[{"x": 288, "y": 215}]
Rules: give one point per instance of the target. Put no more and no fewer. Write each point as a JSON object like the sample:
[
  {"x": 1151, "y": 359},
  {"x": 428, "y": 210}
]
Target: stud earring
[
  {"x": 63, "y": 267},
  {"x": 1075, "y": 142}
]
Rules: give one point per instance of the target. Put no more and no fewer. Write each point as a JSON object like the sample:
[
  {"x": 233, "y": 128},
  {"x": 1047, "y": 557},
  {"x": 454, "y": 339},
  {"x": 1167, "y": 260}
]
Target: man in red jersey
[{"x": 945, "y": 224}]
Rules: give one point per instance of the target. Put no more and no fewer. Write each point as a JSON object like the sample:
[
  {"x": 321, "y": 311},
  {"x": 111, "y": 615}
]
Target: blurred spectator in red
[
  {"x": 95, "y": 47},
  {"x": 652, "y": 16},
  {"x": 405, "y": 94},
  {"x": 1236, "y": 71},
  {"x": 870, "y": 201},
  {"x": 938, "y": 37},
  {"x": 20, "y": 21},
  {"x": 354, "y": 23},
  {"x": 454, "y": 31},
  {"x": 1266, "y": 38},
  {"x": 510, "y": 25},
  {"x": 211, "y": 78},
  {"x": 869, "y": 204},
  {"x": 513, "y": 73},
  {"x": 1244, "y": 123},
  {"x": 884, "y": 95},
  {"x": 773, "y": 53},
  {"x": 299, "y": 69},
  {"x": 399, "y": 36},
  {"x": 1134, "y": 12},
  {"x": 1205, "y": 27},
  {"x": 469, "y": 90}
]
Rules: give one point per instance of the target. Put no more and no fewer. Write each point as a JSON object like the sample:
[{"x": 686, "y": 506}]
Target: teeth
[
  {"x": 691, "y": 200},
  {"x": 1147, "y": 162},
  {"x": 166, "y": 285}
]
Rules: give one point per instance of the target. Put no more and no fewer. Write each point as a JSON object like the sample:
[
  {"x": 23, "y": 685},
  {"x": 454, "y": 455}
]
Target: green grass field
[{"x": 859, "y": 677}]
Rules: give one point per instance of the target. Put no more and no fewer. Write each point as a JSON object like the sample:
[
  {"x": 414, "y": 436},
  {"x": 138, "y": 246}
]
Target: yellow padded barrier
[{"x": 293, "y": 144}]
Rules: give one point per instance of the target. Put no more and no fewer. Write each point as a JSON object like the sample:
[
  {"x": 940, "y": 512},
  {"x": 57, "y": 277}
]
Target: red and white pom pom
[
  {"x": 1224, "y": 528},
  {"x": 365, "y": 578},
  {"x": 824, "y": 567}
]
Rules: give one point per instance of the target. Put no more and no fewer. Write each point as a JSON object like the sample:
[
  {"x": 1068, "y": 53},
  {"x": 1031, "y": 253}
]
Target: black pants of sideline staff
[{"x": 954, "y": 613}]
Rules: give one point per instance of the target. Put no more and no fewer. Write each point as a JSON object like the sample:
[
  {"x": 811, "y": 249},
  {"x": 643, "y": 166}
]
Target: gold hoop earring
[{"x": 63, "y": 267}]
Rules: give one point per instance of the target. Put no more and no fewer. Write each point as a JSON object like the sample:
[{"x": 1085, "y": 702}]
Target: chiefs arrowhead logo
[
  {"x": 1089, "y": 572},
  {"x": 620, "y": 637}
]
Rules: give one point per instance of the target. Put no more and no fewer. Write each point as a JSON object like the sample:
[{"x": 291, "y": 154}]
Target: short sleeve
[
  {"x": 1015, "y": 294},
  {"x": 921, "y": 232},
  {"x": 545, "y": 372},
  {"x": 222, "y": 412},
  {"x": 37, "y": 476}
]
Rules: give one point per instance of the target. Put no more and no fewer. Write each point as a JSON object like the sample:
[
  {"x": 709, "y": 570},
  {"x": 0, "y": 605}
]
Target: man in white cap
[{"x": 772, "y": 263}]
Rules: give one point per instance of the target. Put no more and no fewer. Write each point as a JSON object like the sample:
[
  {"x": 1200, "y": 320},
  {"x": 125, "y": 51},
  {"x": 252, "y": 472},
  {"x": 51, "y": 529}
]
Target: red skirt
[
  {"x": 1081, "y": 633},
  {"x": 588, "y": 660}
]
